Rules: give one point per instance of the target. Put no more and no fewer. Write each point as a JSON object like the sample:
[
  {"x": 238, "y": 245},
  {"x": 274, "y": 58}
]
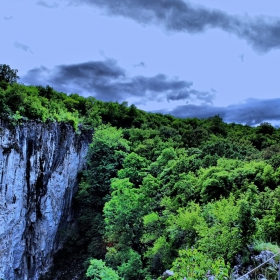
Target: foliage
[
  {"x": 269, "y": 225},
  {"x": 194, "y": 265},
  {"x": 98, "y": 270},
  {"x": 263, "y": 246},
  {"x": 105, "y": 157},
  {"x": 219, "y": 233},
  {"x": 126, "y": 261},
  {"x": 160, "y": 204},
  {"x": 123, "y": 213},
  {"x": 8, "y": 75}
]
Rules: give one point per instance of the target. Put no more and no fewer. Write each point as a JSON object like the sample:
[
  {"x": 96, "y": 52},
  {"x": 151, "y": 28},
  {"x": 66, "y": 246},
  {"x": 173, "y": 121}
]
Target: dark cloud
[
  {"x": 180, "y": 16},
  {"x": 8, "y": 18},
  {"x": 107, "y": 81},
  {"x": 191, "y": 94},
  {"x": 251, "y": 111},
  {"x": 22, "y": 47},
  {"x": 47, "y": 5}
]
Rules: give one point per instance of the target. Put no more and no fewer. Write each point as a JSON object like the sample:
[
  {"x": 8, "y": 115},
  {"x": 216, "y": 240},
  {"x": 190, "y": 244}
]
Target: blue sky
[{"x": 187, "y": 58}]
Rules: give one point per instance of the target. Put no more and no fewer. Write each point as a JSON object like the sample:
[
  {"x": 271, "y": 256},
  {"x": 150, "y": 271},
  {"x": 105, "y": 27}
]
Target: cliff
[{"x": 38, "y": 177}]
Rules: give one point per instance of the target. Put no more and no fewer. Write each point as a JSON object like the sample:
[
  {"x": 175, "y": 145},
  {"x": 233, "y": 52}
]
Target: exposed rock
[
  {"x": 239, "y": 271},
  {"x": 263, "y": 257},
  {"x": 167, "y": 274},
  {"x": 38, "y": 177}
]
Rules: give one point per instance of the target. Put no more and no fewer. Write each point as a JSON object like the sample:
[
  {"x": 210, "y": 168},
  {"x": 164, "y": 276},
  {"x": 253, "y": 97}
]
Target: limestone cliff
[{"x": 38, "y": 177}]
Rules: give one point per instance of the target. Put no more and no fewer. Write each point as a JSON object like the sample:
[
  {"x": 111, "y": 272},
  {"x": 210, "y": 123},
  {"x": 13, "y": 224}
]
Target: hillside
[{"x": 159, "y": 190}]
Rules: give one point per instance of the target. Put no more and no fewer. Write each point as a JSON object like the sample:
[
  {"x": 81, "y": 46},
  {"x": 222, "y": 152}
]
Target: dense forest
[{"x": 189, "y": 195}]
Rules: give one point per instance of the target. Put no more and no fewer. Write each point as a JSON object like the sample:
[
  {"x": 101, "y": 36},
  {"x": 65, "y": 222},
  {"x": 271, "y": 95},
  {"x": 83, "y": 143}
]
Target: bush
[
  {"x": 194, "y": 265},
  {"x": 98, "y": 270}
]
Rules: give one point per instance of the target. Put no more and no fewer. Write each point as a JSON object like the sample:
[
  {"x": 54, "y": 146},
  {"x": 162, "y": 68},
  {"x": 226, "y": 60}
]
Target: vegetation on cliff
[{"x": 160, "y": 190}]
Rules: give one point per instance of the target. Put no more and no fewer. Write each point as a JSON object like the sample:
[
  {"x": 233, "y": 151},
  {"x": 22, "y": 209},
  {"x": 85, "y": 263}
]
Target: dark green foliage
[
  {"x": 217, "y": 126},
  {"x": 221, "y": 147},
  {"x": 268, "y": 209},
  {"x": 134, "y": 167},
  {"x": 275, "y": 161},
  {"x": 247, "y": 222},
  {"x": 7, "y": 75},
  {"x": 265, "y": 128}
]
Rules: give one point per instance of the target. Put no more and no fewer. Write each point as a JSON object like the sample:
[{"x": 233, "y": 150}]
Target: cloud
[
  {"x": 191, "y": 94},
  {"x": 140, "y": 64},
  {"x": 47, "y": 5},
  {"x": 262, "y": 33},
  {"x": 107, "y": 81},
  {"x": 22, "y": 47},
  {"x": 252, "y": 111},
  {"x": 8, "y": 18}
]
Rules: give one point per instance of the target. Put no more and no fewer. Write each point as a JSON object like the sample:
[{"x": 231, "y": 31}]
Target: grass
[{"x": 263, "y": 246}]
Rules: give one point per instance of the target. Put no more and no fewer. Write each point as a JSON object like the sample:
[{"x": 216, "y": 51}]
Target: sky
[{"x": 185, "y": 58}]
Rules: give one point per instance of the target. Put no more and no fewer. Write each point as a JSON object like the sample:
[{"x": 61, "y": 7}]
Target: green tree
[
  {"x": 134, "y": 168},
  {"x": 98, "y": 270},
  {"x": 219, "y": 234},
  {"x": 7, "y": 74},
  {"x": 105, "y": 158},
  {"x": 182, "y": 225},
  {"x": 268, "y": 225},
  {"x": 123, "y": 228},
  {"x": 123, "y": 214}
]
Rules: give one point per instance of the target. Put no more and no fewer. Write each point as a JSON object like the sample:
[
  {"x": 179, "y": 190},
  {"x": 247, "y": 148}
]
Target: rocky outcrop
[
  {"x": 38, "y": 177},
  {"x": 260, "y": 266}
]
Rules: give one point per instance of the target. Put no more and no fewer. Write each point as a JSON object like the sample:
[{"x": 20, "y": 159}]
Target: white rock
[{"x": 38, "y": 169}]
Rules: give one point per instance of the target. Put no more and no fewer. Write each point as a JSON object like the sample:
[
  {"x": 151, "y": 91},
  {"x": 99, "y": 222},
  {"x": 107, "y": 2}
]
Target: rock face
[{"x": 38, "y": 177}]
